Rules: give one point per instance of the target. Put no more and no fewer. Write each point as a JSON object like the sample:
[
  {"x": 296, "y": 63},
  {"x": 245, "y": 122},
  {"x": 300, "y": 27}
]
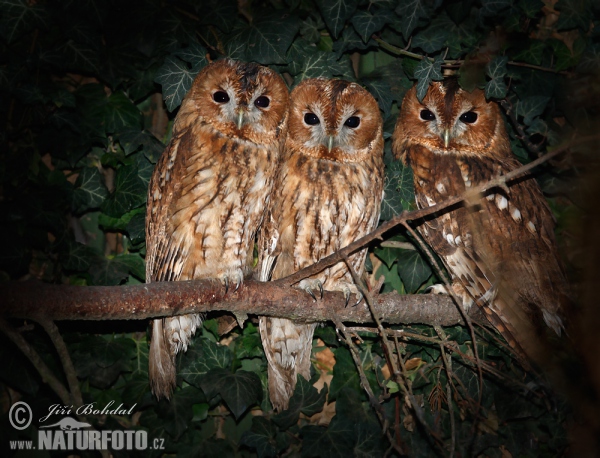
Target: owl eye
[
  {"x": 262, "y": 101},
  {"x": 427, "y": 115},
  {"x": 469, "y": 117},
  {"x": 352, "y": 121},
  {"x": 311, "y": 119},
  {"x": 220, "y": 97}
]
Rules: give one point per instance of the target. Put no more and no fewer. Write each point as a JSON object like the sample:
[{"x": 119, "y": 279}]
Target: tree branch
[{"x": 41, "y": 301}]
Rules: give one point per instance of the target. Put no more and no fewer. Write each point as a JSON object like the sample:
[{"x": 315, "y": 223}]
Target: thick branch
[{"x": 136, "y": 302}]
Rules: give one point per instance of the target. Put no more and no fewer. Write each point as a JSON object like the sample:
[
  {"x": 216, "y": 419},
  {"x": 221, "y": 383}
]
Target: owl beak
[
  {"x": 446, "y": 136},
  {"x": 240, "y": 118},
  {"x": 330, "y": 140}
]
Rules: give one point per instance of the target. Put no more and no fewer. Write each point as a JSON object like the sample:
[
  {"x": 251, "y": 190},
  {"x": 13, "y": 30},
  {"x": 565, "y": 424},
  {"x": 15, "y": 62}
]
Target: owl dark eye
[
  {"x": 220, "y": 97},
  {"x": 352, "y": 121},
  {"x": 469, "y": 117},
  {"x": 427, "y": 115},
  {"x": 262, "y": 102},
  {"x": 311, "y": 119}
]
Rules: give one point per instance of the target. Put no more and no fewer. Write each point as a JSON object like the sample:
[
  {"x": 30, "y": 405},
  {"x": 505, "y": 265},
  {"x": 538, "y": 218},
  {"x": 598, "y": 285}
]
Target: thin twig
[
  {"x": 39, "y": 364},
  {"x": 65, "y": 359}
]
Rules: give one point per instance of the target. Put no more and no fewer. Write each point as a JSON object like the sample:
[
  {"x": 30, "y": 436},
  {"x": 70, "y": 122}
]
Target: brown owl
[
  {"x": 327, "y": 194},
  {"x": 209, "y": 190},
  {"x": 500, "y": 253}
]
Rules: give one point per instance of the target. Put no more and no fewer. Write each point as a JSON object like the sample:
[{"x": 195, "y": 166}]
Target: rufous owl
[
  {"x": 327, "y": 194},
  {"x": 209, "y": 191},
  {"x": 500, "y": 251}
]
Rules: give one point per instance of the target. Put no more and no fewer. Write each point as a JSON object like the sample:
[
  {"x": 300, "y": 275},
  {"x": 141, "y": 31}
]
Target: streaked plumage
[
  {"x": 501, "y": 253},
  {"x": 209, "y": 190},
  {"x": 327, "y": 194}
]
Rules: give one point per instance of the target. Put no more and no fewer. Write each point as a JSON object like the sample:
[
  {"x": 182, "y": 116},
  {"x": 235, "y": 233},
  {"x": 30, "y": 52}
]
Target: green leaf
[
  {"x": 266, "y": 40},
  {"x": 531, "y": 8},
  {"x": 334, "y": 441},
  {"x": 427, "y": 71},
  {"x": 388, "y": 255},
  {"x": 494, "y": 7},
  {"x": 107, "y": 272},
  {"x": 495, "y": 89},
  {"x": 306, "y": 399},
  {"x": 239, "y": 391},
  {"x": 413, "y": 270},
  {"x": 200, "y": 358},
  {"x": 135, "y": 264},
  {"x": 533, "y": 54},
  {"x": 220, "y": 13},
  {"x": 136, "y": 228},
  {"x": 366, "y": 24},
  {"x": 336, "y": 13},
  {"x": 350, "y": 41},
  {"x": 590, "y": 60},
  {"x": 129, "y": 193},
  {"x": 311, "y": 28},
  {"x": 261, "y": 437},
  {"x": 497, "y": 67},
  {"x": 78, "y": 258},
  {"x": 177, "y": 412},
  {"x": 132, "y": 139},
  {"x": 195, "y": 55},
  {"x": 176, "y": 80},
  {"x": 90, "y": 190},
  {"x": 344, "y": 374},
  {"x": 18, "y": 16},
  {"x": 410, "y": 12},
  {"x": 433, "y": 38},
  {"x": 530, "y": 107},
  {"x": 382, "y": 91},
  {"x": 574, "y": 13}
]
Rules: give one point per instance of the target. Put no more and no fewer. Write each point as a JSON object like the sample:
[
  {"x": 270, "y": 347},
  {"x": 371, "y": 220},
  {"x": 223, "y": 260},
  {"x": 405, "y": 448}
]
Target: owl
[
  {"x": 327, "y": 194},
  {"x": 209, "y": 191},
  {"x": 500, "y": 252}
]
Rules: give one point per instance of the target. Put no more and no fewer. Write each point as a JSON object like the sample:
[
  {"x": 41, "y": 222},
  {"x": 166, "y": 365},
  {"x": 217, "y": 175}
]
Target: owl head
[
  {"x": 451, "y": 120},
  {"x": 335, "y": 120},
  {"x": 238, "y": 99}
]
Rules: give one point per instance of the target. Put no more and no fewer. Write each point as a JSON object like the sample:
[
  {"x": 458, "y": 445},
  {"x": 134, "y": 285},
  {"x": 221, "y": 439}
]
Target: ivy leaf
[
  {"x": 135, "y": 264},
  {"x": 413, "y": 270},
  {"x": 78, "y": 258},
  {"x": 203, "y": 356},
  {"x": 344, "y": 374},
  {"x": 496, "y": 69},
  {"x": 426, "y": 72},
  {"x": 321, "y": 64},
  {"x": 310, "y": 29},
  {"x": 410, "y": 12},
  {"x": 350, "y": 41},
  {"x": 494, "y": 7},
  {"x": 132, "y": 139},
  {"x": 239, "y": 391},
  {"x": 220, "y": 13},
  {"x": 391, "y": 205},
  {"x": 176, "y": 79},
  {"x": 136, "y": 228},
  {"x": 195, "y": 55},
  {"x": 306, "y": 399},
  {"x": 590, "y": 60},
  {"x": 177, "y": 413},
  {"x": 336, "y": 13},
  {"x": 530, "y": 107},
  {"x": 20, "y": 16},
  {"x": 90, "y": 190},
  {"x": 432, "y": 39},
  {"x": 266, "y": 40},
  {"x": 382, "y": 91},
  {"x": 533, "y": 53},
  {"x": 336, "y": 440},
  {"x": 574, "y": 13},
  {"x": 366, "y": 24},
  {"x": 531, "y": 8},
  {"x": 121, "y": 113},
  {"x": 107, "y": 272},
  {"x": 129, "y": 193},
  {"x": 261, "y": 437}
]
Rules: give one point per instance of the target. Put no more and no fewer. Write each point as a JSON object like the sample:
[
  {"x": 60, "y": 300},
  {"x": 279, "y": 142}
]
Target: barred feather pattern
[
  {"x": 323, "y": 200},
  {"x": 500, "y": 251},
  {"x": 207, "y": 197}
]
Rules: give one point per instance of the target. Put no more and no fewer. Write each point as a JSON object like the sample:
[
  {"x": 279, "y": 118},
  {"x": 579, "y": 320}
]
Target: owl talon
[
  {"x": 436, "y": 289},
  {"x": 310, "y": 285},
  {"x": 347, "y": 295},
  {"x": 360, "y": 298},
  {"x": 226, "y": 282}
]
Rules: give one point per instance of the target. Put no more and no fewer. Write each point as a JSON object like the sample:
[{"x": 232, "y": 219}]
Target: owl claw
[
  {"x": 308, "y": 286},
  {"x": 226, "y": 282},
  {"x": 228, "y": 279},
  {"x": 347, "y": 295},
  {"x": 436, "y": 289}
]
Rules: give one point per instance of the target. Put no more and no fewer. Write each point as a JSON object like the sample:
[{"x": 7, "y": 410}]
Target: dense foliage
[{"x": 82, "y": 86}]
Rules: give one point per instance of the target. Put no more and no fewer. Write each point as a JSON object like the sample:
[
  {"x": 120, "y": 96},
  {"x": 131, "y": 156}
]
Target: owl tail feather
[
  {"x": 288, "y": 348},
  {"x": 161, "y": 363}
]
